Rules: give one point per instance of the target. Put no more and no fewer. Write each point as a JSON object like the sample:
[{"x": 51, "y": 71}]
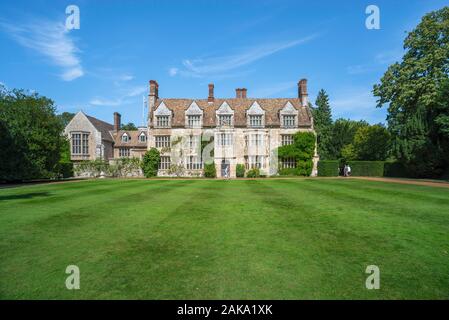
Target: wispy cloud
[
  {"x": 125, "y": 98},
  {"x": 380, "y": 60},
  {"x": 50, "y": 39},
  {"x": 220, "y": 65}
]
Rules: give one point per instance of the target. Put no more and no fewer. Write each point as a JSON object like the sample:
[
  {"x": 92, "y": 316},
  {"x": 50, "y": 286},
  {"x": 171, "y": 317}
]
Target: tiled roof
[
  {"x": 134, "y": 142},
  {"x": 103, "y": 127},
  {"x": 272, "y": 108}
]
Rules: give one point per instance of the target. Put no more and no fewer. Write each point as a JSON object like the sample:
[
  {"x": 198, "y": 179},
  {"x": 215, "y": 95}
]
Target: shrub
[
  {"x": 367, "y": 168},
  {"x": 150, "y": 163},
  {"x": 328, "y": 168},
  {"x": 304, "y": 167},
  {"x": 253, "y": 173},
  {"x": 210, "y": 171},
  {"x": 240, "y": 170},
  {"x": 65, "y": 169}
]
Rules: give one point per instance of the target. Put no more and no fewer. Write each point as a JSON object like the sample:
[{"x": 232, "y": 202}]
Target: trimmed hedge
[
  {"x": 367, "y": 168},
  {"x": 328, "y": 168}
]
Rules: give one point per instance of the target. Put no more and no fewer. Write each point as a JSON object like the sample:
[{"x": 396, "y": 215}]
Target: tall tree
[
  {"x": 322, "y": 116},
  {"x": 31, "y": 141},
  {"x": 371, "y": 143},
  {"x": 343, "y": 132},
  {"x": 411, "y": 89}
]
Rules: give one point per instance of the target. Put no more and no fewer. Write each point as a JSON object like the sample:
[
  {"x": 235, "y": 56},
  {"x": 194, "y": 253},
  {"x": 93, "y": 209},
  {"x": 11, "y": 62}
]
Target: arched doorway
[{"x": 225, "y": 168}]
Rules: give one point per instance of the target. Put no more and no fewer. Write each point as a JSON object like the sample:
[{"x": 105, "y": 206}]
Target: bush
[
  {"x": 65, "y": 169},
  {"x": 150, "y": 163},
  {"x": 367, "y": 168},
  {"x": 328, "y": 168},
  {"x": 253, "y": 173},
  {"x": 210, "y": 171},
  {"x": 240, "y": 170},
  {"x": 304, "y": 168}
]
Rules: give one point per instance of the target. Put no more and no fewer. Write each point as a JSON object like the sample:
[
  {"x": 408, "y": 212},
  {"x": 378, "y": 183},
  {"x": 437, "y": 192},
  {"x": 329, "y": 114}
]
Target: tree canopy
[
  {"x": 129, "y": 126},
  {"x": 32, "y": 140},
  {"x": 413, "y": 90}
]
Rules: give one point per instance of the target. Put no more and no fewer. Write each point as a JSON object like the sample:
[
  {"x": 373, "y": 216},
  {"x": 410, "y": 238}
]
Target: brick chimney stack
[
  {"x": 302, "y": 92},
  {"x": 243, "y": 93},
  {"x": 211, "y": 93},
  {"x": 154, "y": 89},
  {"x": 238, "y": 93},
  {"x": 117, "y": 121}
]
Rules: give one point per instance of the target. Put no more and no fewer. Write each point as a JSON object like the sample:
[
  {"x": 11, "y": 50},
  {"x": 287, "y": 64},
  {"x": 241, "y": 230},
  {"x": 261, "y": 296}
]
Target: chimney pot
[{"x": 243, "y": 93}]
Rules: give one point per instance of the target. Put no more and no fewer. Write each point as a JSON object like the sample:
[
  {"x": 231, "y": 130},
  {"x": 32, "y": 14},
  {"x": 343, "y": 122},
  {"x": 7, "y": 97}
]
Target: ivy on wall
[{"x": 302, "y": 150}]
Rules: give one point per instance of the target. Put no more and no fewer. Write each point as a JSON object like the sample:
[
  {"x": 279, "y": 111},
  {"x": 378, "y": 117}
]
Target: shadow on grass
[{"x": 24, "y": 196}]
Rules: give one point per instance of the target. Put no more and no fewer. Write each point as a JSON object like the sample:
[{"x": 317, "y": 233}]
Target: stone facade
[
  {"x": 82, "y": 129},
  {"x": 245, "y": 130}
]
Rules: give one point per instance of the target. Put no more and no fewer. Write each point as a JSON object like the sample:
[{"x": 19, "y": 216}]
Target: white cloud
[
  {"x": 126, "y": 77},
  {"x": 52, "y": 40},
  {"x": 212, "y": 66},
  {"x": 380, "y": 60},
  {"x": 104, "y": 102},
  {"x": 173, "y": 72},
  {"x": 125, "y": 98}
]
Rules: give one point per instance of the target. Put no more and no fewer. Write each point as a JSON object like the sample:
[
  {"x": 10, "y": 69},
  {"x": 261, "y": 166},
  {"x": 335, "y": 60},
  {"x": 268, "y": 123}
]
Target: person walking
[{"x": 349, "y": 170}]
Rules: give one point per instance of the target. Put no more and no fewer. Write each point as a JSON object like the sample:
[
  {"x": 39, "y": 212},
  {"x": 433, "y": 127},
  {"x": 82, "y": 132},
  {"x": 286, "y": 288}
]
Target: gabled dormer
[
  {"x": 289, "y": 116},
  {"x": 194, "y": 116},
  {"x": 225, "y": 116},
  {"x": 162, "y": 116},
  {"x": 255, "y": 116},
  {"x": 125, "y": 137}
]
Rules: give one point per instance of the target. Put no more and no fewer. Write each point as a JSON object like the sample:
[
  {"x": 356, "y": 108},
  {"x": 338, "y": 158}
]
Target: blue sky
[{"x": 265, "y": 46}]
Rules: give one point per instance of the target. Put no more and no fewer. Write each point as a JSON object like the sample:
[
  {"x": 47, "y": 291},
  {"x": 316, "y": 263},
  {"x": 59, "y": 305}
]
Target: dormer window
[
  {"x": 194, "y": 121},
  {"x": 225, "y": 120},
  {"x": 288, "y": 121},
  {"x": 162, "y": 121},
  {"x": 143, "y": 137},
  {"x": 125, "y": 137},
  {"x": 255, "y": 121}
]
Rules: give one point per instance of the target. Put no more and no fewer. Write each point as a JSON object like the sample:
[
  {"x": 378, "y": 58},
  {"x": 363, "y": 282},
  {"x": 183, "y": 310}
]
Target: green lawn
[{"x": 206, "y": 239}]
